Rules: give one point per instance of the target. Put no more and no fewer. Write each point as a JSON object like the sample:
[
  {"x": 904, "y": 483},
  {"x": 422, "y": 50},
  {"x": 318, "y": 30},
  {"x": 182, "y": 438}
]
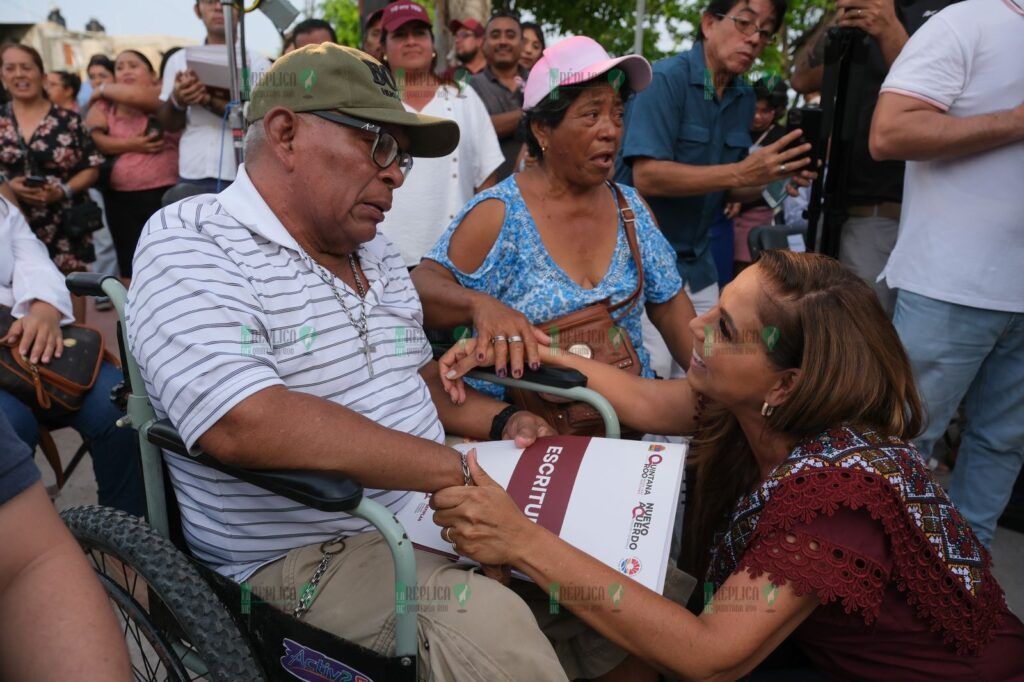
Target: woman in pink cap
[
  {"x": 549, "y": 241},
  {"x": 437, "y": 188}
]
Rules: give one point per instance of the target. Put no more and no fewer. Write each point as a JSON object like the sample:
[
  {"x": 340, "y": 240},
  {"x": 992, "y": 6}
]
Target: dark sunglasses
[{"x": 385, "y": 150}]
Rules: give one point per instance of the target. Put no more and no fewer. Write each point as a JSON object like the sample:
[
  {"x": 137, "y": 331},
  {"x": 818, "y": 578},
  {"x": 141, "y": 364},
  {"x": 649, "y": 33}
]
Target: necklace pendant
[{"x": 369, "y": 360}]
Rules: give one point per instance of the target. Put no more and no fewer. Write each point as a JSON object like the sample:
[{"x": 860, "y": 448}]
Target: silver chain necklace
[{"x": 360, "y": 325}]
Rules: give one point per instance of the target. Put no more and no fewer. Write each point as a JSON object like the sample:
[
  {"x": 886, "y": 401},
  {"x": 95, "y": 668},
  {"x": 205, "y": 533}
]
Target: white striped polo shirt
[{"x": 224, "y": 303}]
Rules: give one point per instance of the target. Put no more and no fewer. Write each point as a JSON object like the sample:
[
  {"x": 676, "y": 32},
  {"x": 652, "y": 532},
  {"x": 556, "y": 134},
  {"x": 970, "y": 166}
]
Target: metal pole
[
  {"x": 638, "y": 30},
  {"x": 235, "y": 107}
]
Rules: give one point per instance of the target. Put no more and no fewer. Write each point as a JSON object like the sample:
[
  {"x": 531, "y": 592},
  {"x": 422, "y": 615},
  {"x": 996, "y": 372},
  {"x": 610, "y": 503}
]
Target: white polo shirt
[
  {"x": 962, "y": 229},
  {"x": 437, "y": 189},
  {"x": 224, "y": 304},
  {"x": 205, "y": 148}
]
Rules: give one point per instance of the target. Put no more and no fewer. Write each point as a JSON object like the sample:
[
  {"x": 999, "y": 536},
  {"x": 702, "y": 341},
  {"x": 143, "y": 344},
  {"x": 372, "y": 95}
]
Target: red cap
[
  {"x": 400, "y": 13},
  {"x": 374, "y": 16},
  {"x": 472, "y": 24}
]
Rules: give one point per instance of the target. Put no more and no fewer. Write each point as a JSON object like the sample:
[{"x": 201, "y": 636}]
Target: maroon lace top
[
  {"x": 865, "y": 627},
  {"x": 906, "y": 589}
]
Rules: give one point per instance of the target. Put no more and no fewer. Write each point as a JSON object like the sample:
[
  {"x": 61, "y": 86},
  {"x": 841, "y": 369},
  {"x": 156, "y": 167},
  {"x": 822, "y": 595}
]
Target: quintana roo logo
[{"x": 630, "y": 566}]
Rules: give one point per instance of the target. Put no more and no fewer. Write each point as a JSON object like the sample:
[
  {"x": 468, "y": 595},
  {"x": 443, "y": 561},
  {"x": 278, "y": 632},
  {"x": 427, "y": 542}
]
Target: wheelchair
[{"x": 184, "y": 621}]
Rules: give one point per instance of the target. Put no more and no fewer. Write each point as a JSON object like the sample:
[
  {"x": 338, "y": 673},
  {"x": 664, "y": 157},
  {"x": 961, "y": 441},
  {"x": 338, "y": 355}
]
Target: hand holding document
[
  {"x": 210, "y": 64},
  {"x": 613, "y": 499}
]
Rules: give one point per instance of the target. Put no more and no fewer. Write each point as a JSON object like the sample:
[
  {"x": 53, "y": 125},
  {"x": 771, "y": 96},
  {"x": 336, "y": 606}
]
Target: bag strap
[{"x": 628, "y": 217}]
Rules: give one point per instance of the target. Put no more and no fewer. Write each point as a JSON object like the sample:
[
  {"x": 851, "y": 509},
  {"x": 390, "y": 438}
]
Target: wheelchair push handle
[{"x": 87, "y": 283}]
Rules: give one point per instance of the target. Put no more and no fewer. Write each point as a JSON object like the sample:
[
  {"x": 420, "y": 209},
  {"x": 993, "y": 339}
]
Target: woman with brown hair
[
  {"x": 815, "y": 518},
  {"x": 46, "y": 156},
  {"x": 123, "y": 124},
  {"x": 438, "y": 189}
]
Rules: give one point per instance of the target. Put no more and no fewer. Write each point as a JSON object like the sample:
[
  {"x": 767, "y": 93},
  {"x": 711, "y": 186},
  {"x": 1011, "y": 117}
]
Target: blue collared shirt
[{"x": 679, "y": 117}]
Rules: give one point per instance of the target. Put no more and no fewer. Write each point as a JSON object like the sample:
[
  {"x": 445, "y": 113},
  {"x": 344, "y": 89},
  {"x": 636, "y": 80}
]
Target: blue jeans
[
  {"x": 115, "y": 451},
  {"x": 977, "y": 356}
]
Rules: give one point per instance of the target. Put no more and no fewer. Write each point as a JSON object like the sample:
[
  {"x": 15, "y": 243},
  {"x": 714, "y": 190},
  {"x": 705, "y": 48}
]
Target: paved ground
[{"x": 1007, "y": 550}]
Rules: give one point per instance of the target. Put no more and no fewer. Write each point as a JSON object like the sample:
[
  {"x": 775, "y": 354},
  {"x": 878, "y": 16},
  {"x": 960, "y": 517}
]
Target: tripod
[
  {"x": 843, "y": 48},
  {"x": 239, "y": 85}
]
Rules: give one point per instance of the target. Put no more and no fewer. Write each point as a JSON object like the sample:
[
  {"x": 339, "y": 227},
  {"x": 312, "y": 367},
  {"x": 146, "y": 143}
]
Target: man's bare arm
[
  {"x": 171, "y": 118},
  {"x": 472, "y": 418},
  {"x": 661, "y": 178},
  {"x": 279, "y": 428},
  {"x": 809, "y": 70},
  {"x": 911, "y": 129},
  {"x": 505, "y": 124}
]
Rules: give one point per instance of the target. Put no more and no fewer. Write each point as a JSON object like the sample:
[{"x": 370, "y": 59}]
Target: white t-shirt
[
  {"x": 205, "y": 148},
  {"x": 437, "y": 189},
  {"x": 962, "y": 232}
]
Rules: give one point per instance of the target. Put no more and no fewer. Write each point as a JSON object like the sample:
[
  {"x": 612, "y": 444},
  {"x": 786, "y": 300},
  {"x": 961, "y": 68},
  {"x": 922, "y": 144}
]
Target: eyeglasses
[
  {"x": 385, "y": 150},
  {"x": 463, "y": 35},
  {"x": 748, "y": 28}
]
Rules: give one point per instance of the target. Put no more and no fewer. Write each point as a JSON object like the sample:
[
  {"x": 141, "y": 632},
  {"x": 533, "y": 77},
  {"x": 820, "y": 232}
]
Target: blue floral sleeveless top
[{"x": 519, "y": 272}]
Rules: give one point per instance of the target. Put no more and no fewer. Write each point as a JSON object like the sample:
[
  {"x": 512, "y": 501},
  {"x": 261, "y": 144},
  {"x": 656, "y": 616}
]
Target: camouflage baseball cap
[{"x": 329, "y": 77}]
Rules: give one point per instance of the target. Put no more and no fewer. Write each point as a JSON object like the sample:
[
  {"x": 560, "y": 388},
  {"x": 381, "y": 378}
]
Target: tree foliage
[
  {"x": 344, "y": 17},
  {"x": 669, "y": 25}
]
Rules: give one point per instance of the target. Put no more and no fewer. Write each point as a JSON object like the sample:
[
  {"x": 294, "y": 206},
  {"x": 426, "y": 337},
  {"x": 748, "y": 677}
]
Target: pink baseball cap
[
  {"x": 577, "y": 60},
  {"x": 400, "y": 13}
]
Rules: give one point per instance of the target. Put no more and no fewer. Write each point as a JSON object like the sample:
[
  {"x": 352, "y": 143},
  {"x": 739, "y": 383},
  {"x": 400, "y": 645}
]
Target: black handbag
[{"x": 82, "y": 218}]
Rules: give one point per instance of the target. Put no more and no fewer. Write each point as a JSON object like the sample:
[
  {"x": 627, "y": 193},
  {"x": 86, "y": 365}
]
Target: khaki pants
[{"x": 494, "y": 634}]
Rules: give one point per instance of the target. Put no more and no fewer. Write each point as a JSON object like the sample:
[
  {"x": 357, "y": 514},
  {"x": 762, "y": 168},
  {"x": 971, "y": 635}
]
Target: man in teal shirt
[{"x": 687, "y": 135}]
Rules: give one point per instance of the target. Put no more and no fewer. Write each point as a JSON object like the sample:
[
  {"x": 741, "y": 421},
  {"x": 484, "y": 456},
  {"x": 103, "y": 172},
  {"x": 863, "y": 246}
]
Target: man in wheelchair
[{"x": 277, "y": 328}]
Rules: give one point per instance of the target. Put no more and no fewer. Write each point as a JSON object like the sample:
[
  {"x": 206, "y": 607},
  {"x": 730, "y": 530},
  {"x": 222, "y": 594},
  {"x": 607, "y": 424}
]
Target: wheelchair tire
[{"x": 203, "y": 628}]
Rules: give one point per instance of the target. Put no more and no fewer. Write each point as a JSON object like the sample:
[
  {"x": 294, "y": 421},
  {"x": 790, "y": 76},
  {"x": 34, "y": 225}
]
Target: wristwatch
[{"x": 501, "y": 419}]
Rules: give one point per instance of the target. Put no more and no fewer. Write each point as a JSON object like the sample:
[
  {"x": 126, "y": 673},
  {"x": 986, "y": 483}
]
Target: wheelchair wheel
[{"x": 174, "y": 625}]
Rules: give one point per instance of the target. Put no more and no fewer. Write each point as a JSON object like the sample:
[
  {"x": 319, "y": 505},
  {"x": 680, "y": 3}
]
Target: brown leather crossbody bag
[
  {"x": 59, "y": 387},
  {"x": 592, "y": 332}
]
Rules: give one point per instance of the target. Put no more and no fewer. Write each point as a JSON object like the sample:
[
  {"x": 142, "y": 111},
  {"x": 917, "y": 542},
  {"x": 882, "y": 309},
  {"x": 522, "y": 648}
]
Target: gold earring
[
  {"x": 767, "y": 410},
  {"x": 543, "y": 149}
]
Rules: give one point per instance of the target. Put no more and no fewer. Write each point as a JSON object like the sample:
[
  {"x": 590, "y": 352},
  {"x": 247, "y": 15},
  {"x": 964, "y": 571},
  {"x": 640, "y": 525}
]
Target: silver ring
[
  {"x": 782, "y": 167},
  {"x": 498, "y": 338},
  {"x": 515, "y": 339}
]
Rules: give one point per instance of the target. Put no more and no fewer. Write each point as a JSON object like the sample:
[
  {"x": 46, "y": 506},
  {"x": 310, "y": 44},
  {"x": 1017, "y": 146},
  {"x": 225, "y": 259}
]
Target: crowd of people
[{"x": 401, "y": 194}]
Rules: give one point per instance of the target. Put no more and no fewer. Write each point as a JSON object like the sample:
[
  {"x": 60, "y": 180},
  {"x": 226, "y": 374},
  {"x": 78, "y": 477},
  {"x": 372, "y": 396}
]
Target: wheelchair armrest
[
  {"x": 321, "y": 490},
  {"x": 555, "y": 377},
  {"x": 87, "y": 283}
]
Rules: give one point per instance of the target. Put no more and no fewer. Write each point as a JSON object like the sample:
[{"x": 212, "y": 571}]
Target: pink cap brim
[{"x": 636, "y": 68}]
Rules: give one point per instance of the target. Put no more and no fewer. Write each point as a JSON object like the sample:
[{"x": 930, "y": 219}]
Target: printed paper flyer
[{"x": 613, "y": 499}]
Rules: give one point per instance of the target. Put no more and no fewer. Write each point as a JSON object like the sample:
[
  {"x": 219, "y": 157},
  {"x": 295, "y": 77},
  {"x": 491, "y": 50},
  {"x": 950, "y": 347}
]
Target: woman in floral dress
[{"x": 41, "y": 140}]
